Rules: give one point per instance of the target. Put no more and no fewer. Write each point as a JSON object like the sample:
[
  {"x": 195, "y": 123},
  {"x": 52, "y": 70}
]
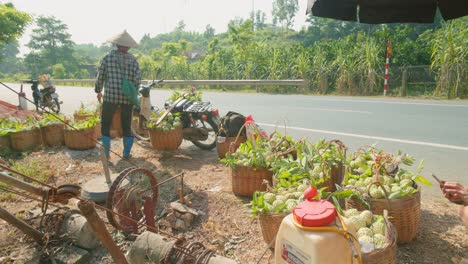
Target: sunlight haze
[{"x": 94, "y": 21}]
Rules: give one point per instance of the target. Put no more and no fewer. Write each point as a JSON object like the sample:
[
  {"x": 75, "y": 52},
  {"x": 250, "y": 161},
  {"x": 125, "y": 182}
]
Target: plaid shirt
[{"x": 113, "y": 67}]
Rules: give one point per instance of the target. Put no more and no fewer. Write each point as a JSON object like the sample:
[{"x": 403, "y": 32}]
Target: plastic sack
[
  {"x": 145, "y": 107},
  {"x": 253, "y": 130},
  {"x": 45, "y": 81},
  {"x": 129, "y": 90}
]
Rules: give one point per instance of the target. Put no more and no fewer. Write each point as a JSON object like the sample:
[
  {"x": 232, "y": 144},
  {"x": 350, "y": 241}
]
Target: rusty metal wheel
[{"x": 134, "y": 194}]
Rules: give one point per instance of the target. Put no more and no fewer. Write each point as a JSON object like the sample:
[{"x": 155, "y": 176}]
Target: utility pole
[{"x": 387, "y": 65}]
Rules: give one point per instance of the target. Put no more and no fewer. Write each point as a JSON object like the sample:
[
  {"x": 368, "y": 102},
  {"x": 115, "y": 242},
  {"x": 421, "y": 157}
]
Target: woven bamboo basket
[
  {"x": 53, "y": 135},
  {"x": 385, "y": 255},
  {"x": 336, "y": 177},
  {"x": 230, "y": 144},
  {"x": 247, "y": 180},
  {"x": 5, "y": 141},
  {"x": 270, "y": 224},
  {"x": 166, "y": 140},
  {"x": 116, "y": 126},
  {"x": 79, "y": 117},
  {"x": 97, "y": 130},
  {"x": 80, "y": 139},
  {"x": 404, "y": 213},
  {"x": 26, "y": 140}
]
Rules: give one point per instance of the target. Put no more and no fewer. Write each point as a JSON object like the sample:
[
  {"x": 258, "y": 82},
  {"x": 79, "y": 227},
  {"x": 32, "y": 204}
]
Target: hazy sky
[{"x": 94, "y": 21}]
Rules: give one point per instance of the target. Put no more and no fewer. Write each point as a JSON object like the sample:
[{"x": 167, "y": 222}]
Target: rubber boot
[
  {"x": 106, "y": 143},
  {"x": 128, "y": 143}
]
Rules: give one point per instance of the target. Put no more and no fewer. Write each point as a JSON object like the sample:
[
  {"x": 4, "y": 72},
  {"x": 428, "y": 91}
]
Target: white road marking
[
  {"x": 330, "y": 110},
  {"x": 390, "y": 102},
  {"x": 412, "y": 142}
]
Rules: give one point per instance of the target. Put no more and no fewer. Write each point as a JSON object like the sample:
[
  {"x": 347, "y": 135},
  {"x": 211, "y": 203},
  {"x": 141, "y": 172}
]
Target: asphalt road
[{"x": 433, "y": 131}]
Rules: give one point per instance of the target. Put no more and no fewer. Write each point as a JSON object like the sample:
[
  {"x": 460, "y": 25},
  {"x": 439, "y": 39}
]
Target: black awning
[
  {"x": 388, "y": 11},
  {"x": 337, "y": 9}
]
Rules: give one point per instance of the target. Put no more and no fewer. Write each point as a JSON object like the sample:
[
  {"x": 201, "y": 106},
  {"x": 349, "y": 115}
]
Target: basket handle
[
  {"x": 340, "y": 144},
  {"x": 378, "y": 184},
  {"x": 237, "y": 137}
]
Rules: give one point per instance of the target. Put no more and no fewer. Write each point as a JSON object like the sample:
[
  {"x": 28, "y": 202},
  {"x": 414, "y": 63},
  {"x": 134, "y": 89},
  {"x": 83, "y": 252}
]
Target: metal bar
[
  {"x": 298, "y": 82},
  {"x": 100, "y": 230},
  {"x": 128, "y": 218},
  {"x": 181, "y": 190},
  {"x": 26, "y": 176},
  {"x": 21, "y": 225},
  {"x": 170, "y": 179},
  {"x": 422, "y": 82},
  {"x": 105, "y": 165},
  {"x": 27, "y": 196},
  {"x": 5, "y": 178}
]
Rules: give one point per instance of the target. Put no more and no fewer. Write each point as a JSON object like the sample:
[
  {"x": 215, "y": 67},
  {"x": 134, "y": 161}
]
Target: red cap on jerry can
[{"x": 313, "y": 213}]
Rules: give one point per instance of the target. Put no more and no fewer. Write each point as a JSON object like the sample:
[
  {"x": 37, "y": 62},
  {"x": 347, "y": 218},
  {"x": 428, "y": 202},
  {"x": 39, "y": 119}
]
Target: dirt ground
[{"x": 224, "y": 224}]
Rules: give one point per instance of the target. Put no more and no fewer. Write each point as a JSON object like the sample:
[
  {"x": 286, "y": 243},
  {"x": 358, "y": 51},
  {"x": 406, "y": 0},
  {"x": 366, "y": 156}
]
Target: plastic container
[{"x": 306, "y": 236}]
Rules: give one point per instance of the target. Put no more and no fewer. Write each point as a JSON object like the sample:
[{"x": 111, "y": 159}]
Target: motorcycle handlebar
[
  {"x": 153, "y": 83},
  {"x": 32, "y": 81}
]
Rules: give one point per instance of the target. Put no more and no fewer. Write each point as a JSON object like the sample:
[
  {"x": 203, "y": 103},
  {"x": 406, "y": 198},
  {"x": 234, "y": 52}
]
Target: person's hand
[
  {"x": 99, "y": 97},
  {"x": 455, "y": 192}
]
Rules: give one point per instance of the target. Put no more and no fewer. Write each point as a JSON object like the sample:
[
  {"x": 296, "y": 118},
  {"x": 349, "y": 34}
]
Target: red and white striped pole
[{"x": 387, "y": 64}]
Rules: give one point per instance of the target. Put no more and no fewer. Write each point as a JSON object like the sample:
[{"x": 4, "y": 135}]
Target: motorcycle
[
  {"x": 200, "y": 121},
  {"x": 46, "y": 97}
]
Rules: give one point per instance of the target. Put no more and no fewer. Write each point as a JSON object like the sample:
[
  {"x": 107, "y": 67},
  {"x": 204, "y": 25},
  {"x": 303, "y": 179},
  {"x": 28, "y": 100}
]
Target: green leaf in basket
[
  {"x": 284, "y": 183},
  {"x": 422, "y": 180},
  {"x": 284, "y": 175},
  {"x": 341, "y": 194},
  {"x": 357, "y": 197},
  {"x": 420, "y": 167},
  {"x": 260, "y": 202},
  {"x": 337, "y": 205}
]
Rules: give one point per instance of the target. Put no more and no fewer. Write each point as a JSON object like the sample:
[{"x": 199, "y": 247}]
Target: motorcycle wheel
[
  {"x": 139, "y": 129},
  {"x": 55, "y": 106},
  {"x": 210, "y": 142},
  {"x": 52, "y": 104}
]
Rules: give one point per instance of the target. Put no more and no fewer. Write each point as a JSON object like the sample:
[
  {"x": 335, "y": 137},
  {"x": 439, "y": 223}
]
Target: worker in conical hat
[
  {"x": 115, "y": 66},
  {"x": 123, "y": 39}
]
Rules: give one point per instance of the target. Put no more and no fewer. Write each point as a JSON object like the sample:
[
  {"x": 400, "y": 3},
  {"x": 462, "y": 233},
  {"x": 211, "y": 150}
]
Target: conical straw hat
[{"x": 123, "y": 39}]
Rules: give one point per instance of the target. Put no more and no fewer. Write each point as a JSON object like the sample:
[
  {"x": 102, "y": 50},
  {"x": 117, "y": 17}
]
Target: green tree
[
  {"x": 58, "y": 71},
  {"x": 260, "y": 20},
  {"x": 12, "y": 23},
  {"x": 9, "y": 63},
  {"x": 51, "y": 44},
  {"x": 284, "y": 11},
  {"x": 450, "y": 58},
  {"x": 180, "y": 26},
  {"x": 90, "y": 53},
  {"x": 209, "y": 32}
]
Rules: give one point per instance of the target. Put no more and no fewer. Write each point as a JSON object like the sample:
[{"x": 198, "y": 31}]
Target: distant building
[{"x": 194, "y": 54}]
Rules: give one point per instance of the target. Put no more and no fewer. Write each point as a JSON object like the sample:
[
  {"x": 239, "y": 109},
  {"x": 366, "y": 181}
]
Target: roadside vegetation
[{"x": 336, "y": 57}]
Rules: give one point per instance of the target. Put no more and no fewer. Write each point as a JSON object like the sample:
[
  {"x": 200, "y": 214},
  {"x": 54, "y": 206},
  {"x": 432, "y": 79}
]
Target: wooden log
[
  {"x": 99, "y": 228},
  {"x": 21, "y": 225}
]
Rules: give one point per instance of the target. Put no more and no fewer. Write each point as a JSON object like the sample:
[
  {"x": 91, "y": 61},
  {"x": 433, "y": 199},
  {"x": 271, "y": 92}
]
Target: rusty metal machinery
[{"x": 133, "y": 194}]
